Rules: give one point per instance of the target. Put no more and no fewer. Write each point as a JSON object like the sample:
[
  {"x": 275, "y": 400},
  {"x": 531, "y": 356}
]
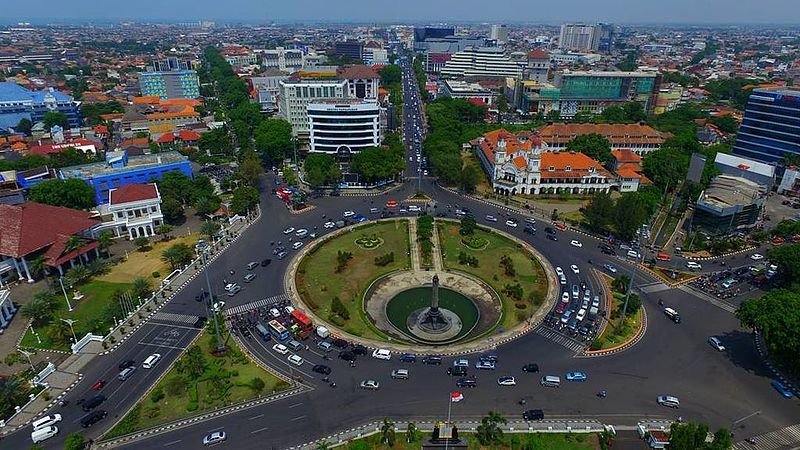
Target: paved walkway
[
  {"x": 438, "y": 266},
  {"x": 413, "y": 244}
]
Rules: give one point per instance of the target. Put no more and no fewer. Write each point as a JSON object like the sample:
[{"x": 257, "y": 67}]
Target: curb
[
  {"x": 625, "y": 345},
  {"x": 52, "y": 403},
  {"x": 709, "y": 258},
  {"x": 778, "y": 374}
]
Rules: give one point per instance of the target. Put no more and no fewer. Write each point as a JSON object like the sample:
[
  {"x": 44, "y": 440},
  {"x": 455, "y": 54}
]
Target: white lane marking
[
  {"x": 256, "y": 417},
  {"x": 298, "y": 418},
  {"x": 295, "y": 405},
  {"x": 258, "y": 430},
  {"x": 171, "y": 443}
]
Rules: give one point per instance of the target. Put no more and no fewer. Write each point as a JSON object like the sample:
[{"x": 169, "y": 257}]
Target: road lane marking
[
  {"x": 298, "y": 418},
  {"x": 295, "y": 405},
  {"x": 256, "y": 417},
  {"x": 161, "y": 345},
  {"x": 215, "y": 429},
  {"x": 171, "y": 443},
  {"x": 258, "y": 430}
]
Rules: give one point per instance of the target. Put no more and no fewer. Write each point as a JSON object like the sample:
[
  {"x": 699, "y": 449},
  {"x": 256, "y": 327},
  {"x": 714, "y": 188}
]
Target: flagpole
[{"x": 449, "y": 405}]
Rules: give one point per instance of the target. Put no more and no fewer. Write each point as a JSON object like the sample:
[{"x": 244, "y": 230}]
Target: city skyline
[{"x": 358, "y": 11}]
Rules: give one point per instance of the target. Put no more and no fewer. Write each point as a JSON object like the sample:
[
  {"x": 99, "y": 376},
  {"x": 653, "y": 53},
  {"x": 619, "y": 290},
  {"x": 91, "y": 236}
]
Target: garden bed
[
  {"x": 510, "y": 441},
  {"x": 616, "y": 334}
]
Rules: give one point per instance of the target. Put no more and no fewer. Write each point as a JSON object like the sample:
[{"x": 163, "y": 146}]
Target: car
[
  {"x": 634, "y": 254},
  {"x": 93, "y": 402},
  {"x": 232, "y": 291},
  {"x": 559, "y": 271},
  {"x": 217, "y": 306},
  {"x": 457, "y": 371},
  {"x": 98, "y": 385},
  {"x": 672, "y": 315},
  {"x": 359, "y": 350},
  {"x": 550, "y": 230},
  {"x": 400, "y": 374},
  {"x": 607, "y": 250},
  {"x": 756, "y": 257},
  {"x": 693, "y": 265},
  {"x": 661, "y": 256},
  {"x": 348, "y": 214},
  {"x": 566, "y": 316},
  {"x": 552, "y": 237},
  {"x": 371, "y": 385},
  {"x": 252, "y": 265},
  {"x": 302, "y": 232},
  {"x": 575, "y": 269},
  {"x": 530, "y": 368},
  {"x": 265, "y": 262},
  {"x": 432, "y": 360},
  {"x": 329, "y": 224},
  {"x": 530, "y": 229},
  {"x": 576, "y": 243},
  {"x": 610, "y": 268},
  {"x": 781, "y": 388},
  {"x": 249, "y": 277},
  {"x": 321, "y": 368},
  {"x": 596, "y": 301},
  {"x": 511, "y": 223},
  {"x": 280, "y": 348},
  {"x": 565, "y": 297},
  {"x": 126, "y": 363},
  {"x": 374, "y": 210},
  {"x": 485, "y": 365},
  {"x": 382, "y": 353},
  {"x": 716, "y": 343},
  {"x": 561, "y": 308},
  {"x": 491, "y": 356},
  {"x": 491, "y": 219},
  {"x": 347, "y": 355},
  {"x": 92, "y": 418},
  {"x": 533, "y": 414},
  {"x": 278, "y": 249},
  {"x": 576, "y": 376},
  {"x": 214, "y": 438},
  {"x": 470, "y": 381},
  {"x": 414, "y": 208},
  {"x": 281, "y": 255},
  {"x": 296, "y": 360},
  {"x": 289, "y": 230},
  {"x": 507, "y": 381},
  {"x": 461, "y": 362},
  {"x": 408, "y": 357},
  {"x": 581, "y": 314},
  {"x": 575, "y": 291},
  {"x": 341, "y": 343},
  {"x": 669, "y": 401},
  {"x": 297, "y": 245}
]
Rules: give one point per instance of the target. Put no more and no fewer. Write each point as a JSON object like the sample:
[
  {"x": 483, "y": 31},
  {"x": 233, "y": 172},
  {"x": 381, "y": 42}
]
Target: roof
[
  {"x": 50, "y": 149},
  {"x": 135, "y": 142},
  {"x": 725, "y": 191},
  {"x": 30, "y": 226},
  {"x": 569, "y": 165},
  {"x": 57, "y": 253},
  {"x": 538, "y": 53},
  {"x": 133, "y": 192},
  {"x": 626, "y": 155},
  {"x": 617, "y": 134},
  {"x": 358, "y": 72},
  {"x": 747, "y": 165}
]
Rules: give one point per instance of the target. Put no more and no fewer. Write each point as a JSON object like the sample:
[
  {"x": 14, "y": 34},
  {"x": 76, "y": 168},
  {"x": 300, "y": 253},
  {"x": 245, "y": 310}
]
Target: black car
[
  {"x": 408, "y": 357},
  {"x": 550, "y": 230},
  {"x": 607, "y": 250},
  {"x": 457, "y": 371},
  {"x": 92, "y": 418},
  {"x": 200, "y": 322},
  {"x": 533, "y": 414},
  {"x": 360, "y": 350},
  {"x": 278, "y": 249},
  {"x": 347, "y": 356},
  {"x": 93, "y": 402},
  {"x": 265, "y": 262},
  {"x": 470, "y": 381},
  {"x": 433, "y": 360},
  {"x": 530, "y": 229},
  {"x": 321, "y": 368},
  {"x": 339, "y": 343},
  {"x": 552, "y": 237},
  {"x": 127, "y": 363},
  {"x": 530, "y": 368}
]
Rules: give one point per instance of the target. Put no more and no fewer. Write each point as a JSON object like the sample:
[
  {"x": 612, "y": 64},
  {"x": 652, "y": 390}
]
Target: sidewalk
[
  {"x": 413, "y": 244},
  {"x": 438, "y": 265}
]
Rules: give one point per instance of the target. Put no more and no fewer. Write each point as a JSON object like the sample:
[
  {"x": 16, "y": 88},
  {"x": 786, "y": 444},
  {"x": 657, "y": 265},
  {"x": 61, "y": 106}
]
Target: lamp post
[
  {"x": 61, "y": 282},
  {"x": 742, "y": 419},
  {"x": 220, "y": 346},
  {"x": 71, "y": 322},
  {"x": 27, "y": 355}
]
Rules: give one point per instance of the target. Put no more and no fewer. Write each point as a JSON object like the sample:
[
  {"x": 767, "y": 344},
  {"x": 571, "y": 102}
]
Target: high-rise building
[
  {"x": 579, "y": 37},
  {"x": 169, "y": 85},
  {"x": 295, "y": 95},
  {"x": 422, "y": 34},
  {"x": 343, "y": 126},
  {"x": 482, "y": 62},
  {"x": 362, "y": 82},
  {"x": 538, "y": 66},
  {"x": 17, "y": 103},
  {"x": 172, "y": 63},
  {"x": 499, "y": 33},
  {"x": 350, "y": 49},
  {"x": 593, "y": 91},
  {"x": 606, "y": 40},
  {"x": 770, "y": 130}
]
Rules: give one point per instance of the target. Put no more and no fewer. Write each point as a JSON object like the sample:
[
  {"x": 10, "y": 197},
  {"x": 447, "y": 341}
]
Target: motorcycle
[{"x": 602, "y": 394}]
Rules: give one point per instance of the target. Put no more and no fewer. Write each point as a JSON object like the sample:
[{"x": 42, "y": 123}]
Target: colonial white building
[
  {"x": 343, "y": 126},
  {"x": 135, "y": 209}
]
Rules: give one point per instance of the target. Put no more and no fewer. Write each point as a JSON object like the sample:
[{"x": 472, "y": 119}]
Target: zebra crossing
[
  {"x": 788, "y": 437},
  {"x": 560, "y": 339},
  {"x": 183, "y": 319},
  {"x": 269, "y": 301}
]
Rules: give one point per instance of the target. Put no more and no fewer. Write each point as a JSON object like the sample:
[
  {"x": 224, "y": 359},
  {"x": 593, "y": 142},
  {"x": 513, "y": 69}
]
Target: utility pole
[
  {"x": 61, "y": 282},
  {"x": 220, "y": 344},
  {"x": 71, "y": 322},
  {"x": 633, "y": 276}
]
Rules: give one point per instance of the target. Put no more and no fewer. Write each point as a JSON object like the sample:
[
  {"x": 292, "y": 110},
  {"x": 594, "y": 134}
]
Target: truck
[
  {"x": 304, "y": 325},
  {"x": 323, "y": 332},
  {"x": 263, "y": 331}
]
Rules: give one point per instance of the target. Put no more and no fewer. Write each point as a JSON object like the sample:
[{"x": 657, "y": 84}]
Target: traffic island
[{"x": 618, "y": 334}]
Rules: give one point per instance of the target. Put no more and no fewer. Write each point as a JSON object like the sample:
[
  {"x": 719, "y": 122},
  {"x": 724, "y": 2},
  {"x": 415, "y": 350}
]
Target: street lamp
[
  {"x": 71, "y": 322},
  {"x": 27, "y": 355},
  {"x": 220, "y": 346},
  {"x": 61, "y": 282}
]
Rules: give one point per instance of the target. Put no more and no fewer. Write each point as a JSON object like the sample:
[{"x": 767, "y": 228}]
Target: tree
[
  {"x": 164, "y": 230},
  {"x": 468, "y": 225},
  {"x": 207, "y": 205},
  {"x": 210, "y": 229},
  {"x": 411, "y": 432},
  {"x": 666, "y": 167},
  {"x": 76, "y": 275},
  {"x": 592, "y": 145},
  {"x": 630, "y": 214},
  {"x": 105, "y": 240},
  {"x": 40, "y": 308},
  {"x": 448, "y": 166},
  {"x": 502, "y": 103},
  {"x": 613, "y": 114},
  {"x": 377, "y": 164},
  {"x": 177, "y": 255},
  {"x": 387, "y": 432},
  {"x": 321, "y": 170},
  {"x": 390, "y": 74},
  {"x": 250, "y": 170},
  {"x": 470, "y": 176},
  {"x": 244, "y": 198},
  {"x": 171, "y": 209},
  {"x": 24, "y": 126},
  {"x": 37, "y": 265},
  {"x": 142, "y": 243},
  {"x": 599, "y": 213},
  {"x": 176, "y": 185},
  {"x": 725, "y": 123},
  {"x": 273, "y": 139},
  {"x": 634, "y": 111},
  {"x": 53, "y": 118},
  {"x": 71, "y": 193},
  {"x": 489, "y": 432},
  {"x": 216, "y": 142},
  {"x": 193, "y": 363},
  {"x": 687, "y": 436},
  {"x": 59, "y": 333},
  {"x": 787, "y": 258},
  {"x": 776, "y": 315},
  {"x": 142, "y": 288},
  {"x": 257, "y": 384}
]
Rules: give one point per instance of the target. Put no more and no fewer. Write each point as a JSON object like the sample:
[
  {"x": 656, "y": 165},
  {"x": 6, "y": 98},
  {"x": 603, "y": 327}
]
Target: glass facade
[
  {"x": 167, "y": 85},
  {"x": 771, "y": 126}
]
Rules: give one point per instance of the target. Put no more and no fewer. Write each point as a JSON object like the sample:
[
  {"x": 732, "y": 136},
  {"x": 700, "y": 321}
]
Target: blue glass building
[
  {"x": 172, "y": 84},
  {"x": 771, "y": 126},
  {"x": 17, "y": 103}
]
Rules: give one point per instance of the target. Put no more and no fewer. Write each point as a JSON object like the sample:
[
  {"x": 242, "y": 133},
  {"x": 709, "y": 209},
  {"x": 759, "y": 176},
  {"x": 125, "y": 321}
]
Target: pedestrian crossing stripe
[
  {"x": 269, "y": 301},
  {"x": 175, "y": 318},
  {"x": 560, "y": 339},
  {"x": 773, "y": 440}
]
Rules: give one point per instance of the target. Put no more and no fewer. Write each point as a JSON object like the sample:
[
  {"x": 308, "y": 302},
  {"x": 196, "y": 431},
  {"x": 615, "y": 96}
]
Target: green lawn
[
  {"x": 225, "y": 381},
  {"x": 511, "y": 441},
  {"x": 89, "y": 313},
  {"x": 318, "y": 282},
  {"x": 529, "y": 273},
  {"x": 616, "y": 334}
]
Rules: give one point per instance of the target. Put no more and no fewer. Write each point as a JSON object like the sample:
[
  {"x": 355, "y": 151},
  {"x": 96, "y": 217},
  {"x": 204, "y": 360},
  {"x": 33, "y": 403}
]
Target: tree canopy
[
  {"x": 273, "y": 139},
  {"x": 776, "y": 315},
  {"x": 70, "y": 193},
  {"x": 666, "y": 167},
  {"x": 692, "y": 436},
  {"x": 592, "y": 145},
  {"x": 376, "y": 163},
  {"x": 321, "y": 170},
  {"x": 53, "y": 118}
]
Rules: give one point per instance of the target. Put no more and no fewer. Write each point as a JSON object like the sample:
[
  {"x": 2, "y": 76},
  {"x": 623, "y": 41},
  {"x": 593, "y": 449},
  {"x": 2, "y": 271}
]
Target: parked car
[
  {"x": 507, "y": 381},
  {"x": 382, "y": 353},
  {"x": 533, "y": 414},
  {"x": 781, "y": 388},
  {"x": 408, "y": 357},
  {"x": 530, "y": 368},
  {"x": 370, "y": 385},
  {"x": 400, "y": 374},
  {"x": 576, "y": 376},
  {"x": 432, "y": 360},
  {"x": 485, "y": 365}
]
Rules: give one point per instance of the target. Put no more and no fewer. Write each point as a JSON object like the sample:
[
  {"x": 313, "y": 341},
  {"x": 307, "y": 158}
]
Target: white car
[
  {"x": 576, "y": 243},
  {"x": 511, "y": 223},
  {"x": 559, "y": 271},
  {"x": 280, "y": 348},
  {"x": 634, "y": 254},
  {"x": 491, "y": 219},
  {"x": 716, "y": 343},
  {"x": 610, "y": 268},
  {"x": 296, "y": 360},
  {"x": 288, "y": 230},
  {"x": 348, "y": 214},
  {"x": 297, "y": 245},
  {"x": 213, "y": 438},
  {"x": 581, "y": 314},
  {"x": 565, "y": 297},
  {"x": 329, "y": 224},
  {"x": 414, "y": 208},
  {"x": 693, "y": 265},
  {"x": 218, "y": 306},
  {"x": 575, "y": 269},
  {"x": 756, "y": 257},
  {"x": 301, "y": 232},
  {"x": 382, "y": 353},
  {"x": 507, "y": 381}
]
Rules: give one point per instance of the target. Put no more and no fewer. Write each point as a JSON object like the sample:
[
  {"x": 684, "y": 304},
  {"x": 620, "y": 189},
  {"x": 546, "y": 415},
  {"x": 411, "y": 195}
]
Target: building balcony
[{"x": 141, "y": 220}]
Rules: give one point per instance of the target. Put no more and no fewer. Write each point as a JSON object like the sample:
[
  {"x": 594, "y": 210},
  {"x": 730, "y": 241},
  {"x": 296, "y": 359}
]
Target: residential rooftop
[{"x": 137, "y": 162}]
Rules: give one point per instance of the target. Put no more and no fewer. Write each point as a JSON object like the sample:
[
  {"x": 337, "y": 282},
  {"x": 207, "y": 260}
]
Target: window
[{"x": 552, "y": 169}]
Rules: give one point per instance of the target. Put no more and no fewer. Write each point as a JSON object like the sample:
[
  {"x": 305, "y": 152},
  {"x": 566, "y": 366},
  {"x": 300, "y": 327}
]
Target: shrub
[
  {"x": 596, "y": 345},
  {"x": 467, "y": 259},
  {"x": 341, "y": 260},
  {"x": 152, "y": 412},
  {"x": 520, "y": 305},
  {"x": 157, "y": 394},
  {"x": 175, "y": 386},
  {"x": 336, "y": 320},
  {"x": 257, "y": 384},
  {"x": 384, "y": 260},
  {"x": 338, "y": 308},
  {"x": 514, "y": 291},
  {"x": 521, "y": 315},
  {"x": 192, "y": 406}
]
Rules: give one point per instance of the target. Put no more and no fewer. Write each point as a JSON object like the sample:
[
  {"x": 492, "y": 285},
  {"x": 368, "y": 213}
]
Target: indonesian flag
[{"x": 456, "y": 397}]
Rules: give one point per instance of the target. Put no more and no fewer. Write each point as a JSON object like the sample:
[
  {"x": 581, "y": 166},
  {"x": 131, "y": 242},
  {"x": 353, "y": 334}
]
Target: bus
[
  {"x": 278, "y": 330},
  {"x": 262, "y": 330},
  {"x": 304, "y": 325}
]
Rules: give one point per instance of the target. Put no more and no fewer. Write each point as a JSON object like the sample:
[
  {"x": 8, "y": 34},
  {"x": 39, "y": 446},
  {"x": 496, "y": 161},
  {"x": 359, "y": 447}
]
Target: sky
[{"x": 388, "y": 11}]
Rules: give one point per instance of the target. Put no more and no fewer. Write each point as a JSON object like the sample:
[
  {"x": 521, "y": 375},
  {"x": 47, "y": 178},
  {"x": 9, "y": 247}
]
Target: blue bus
[
  {"x": 278, "y": 330},
  {"x": 262, "y": 330}
]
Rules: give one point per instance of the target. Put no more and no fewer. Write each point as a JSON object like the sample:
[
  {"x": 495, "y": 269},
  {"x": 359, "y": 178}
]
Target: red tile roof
[
  {"x": 31, "y": 226},
  {"x": 358, "y": 72},
  {"x": 132, "y": 193},
  {"x": 56, "y": 255},
  {"x": 189, "y": 136},
  {"x": 538, "y": 53},
  {"x": 626, "y": 156},
  {"x": 617, "y": 134},
  {"x": 570, "y": 165}
]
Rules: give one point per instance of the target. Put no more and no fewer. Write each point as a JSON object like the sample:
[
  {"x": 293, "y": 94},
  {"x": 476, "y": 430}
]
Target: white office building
[
  {"x": 283, "y": 59},
  {"x": 344, "y": 126},
  {"x": 135, "y": 210},
  {"x": 295, "y": 95},
  {"x": 481, "y": 62},
  {"x": 580, "y": 37},
  {"x": 499, "y": 33}
]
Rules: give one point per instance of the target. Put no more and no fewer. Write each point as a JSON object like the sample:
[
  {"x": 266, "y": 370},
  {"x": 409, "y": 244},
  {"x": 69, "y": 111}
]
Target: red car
[
  {"x": 99, "y": 385},
  {"x": 662, "y": 257},
  {"x": 560, "y": 308},
  {"x": 391, "y": 203}
]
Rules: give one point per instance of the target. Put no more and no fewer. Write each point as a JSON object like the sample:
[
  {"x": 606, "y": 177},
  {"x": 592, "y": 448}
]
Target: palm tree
[
  {"x": 489, "y": 432},
  {"x": 105, "y": 239},
  {"x": 324, "y": 445},
  {"x": 387, "y": 432},
  {"x": 141, "y": 243},
  {"x": 73, "y": 243},
  {"x": 60, "y": 333},
  {"x": 164, "y": 230},
  {"x": 76, "y": 275},
  {"x": 40, "y": 308},
  {"x": 37, "y": 265},
  {"x": 210, "y": 228},
  {"x": 97, "y": 267},
  {"x": 142, "y": 287},
  {"x": 411, "y": 432}
]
